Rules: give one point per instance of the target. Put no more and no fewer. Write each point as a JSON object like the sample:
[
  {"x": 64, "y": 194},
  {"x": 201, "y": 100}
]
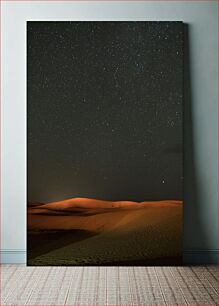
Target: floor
[{"x": 103, "y": 286}]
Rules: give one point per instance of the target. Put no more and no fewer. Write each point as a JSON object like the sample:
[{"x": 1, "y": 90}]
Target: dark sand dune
[
  {"x": 34, "y": 204},
  {"x": 102, "y": 232},
  {"x": 52, "y": 240}
]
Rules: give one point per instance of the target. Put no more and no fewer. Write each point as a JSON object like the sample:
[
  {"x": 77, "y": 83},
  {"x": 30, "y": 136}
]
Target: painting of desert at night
[{"x": 104, "y": 143}]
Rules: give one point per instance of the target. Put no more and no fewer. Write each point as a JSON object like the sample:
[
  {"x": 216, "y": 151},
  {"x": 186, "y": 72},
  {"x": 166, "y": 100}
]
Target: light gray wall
[{"x": 200, "y": 208}]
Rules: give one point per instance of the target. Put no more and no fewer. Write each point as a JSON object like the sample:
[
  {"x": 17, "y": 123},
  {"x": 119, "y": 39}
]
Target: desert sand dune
[
  {"x": 94, "y": 203},
  {"x": 94, "y": 215},
  {"x": 110, "y": 231}
]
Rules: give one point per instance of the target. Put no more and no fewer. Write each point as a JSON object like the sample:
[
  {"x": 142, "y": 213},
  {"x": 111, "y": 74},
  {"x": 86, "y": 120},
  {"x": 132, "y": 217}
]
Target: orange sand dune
[
  {"x": 86, "y": 203},
  {"x": 88, "y": 231},
  {"x": 97, "y": 215}
]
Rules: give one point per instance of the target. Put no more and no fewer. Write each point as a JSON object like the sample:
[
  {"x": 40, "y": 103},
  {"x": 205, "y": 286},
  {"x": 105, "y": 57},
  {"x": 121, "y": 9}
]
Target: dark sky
[{"x": 104, "y": 110}]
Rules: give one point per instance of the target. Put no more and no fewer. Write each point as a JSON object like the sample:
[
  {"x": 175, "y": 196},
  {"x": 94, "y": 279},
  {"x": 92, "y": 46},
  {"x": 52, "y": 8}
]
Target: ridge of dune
[
  {"x": 87, "y": 203},
  {"x": 84, "y": 214}
]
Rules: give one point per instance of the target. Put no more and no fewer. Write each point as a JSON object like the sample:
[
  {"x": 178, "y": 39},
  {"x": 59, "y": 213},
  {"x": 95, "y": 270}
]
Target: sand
[{"x": 95, "y": 232}]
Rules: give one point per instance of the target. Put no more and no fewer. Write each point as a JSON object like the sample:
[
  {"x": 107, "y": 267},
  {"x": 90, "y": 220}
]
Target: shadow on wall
[{"x": 192, "y": 219}]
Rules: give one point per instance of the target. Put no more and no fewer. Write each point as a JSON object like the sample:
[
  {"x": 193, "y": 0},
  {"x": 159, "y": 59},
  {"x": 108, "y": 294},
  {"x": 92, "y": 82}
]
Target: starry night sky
[{"x": 104, "y": 110}]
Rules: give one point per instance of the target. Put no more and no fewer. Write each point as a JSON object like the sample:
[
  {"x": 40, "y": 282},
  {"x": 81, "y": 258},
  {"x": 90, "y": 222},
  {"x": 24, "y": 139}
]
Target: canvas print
[{"x": 104, "y": 143}]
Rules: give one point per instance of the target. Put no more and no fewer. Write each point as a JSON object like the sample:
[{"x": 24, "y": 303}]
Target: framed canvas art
[{"x": 105, "y": 132}]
